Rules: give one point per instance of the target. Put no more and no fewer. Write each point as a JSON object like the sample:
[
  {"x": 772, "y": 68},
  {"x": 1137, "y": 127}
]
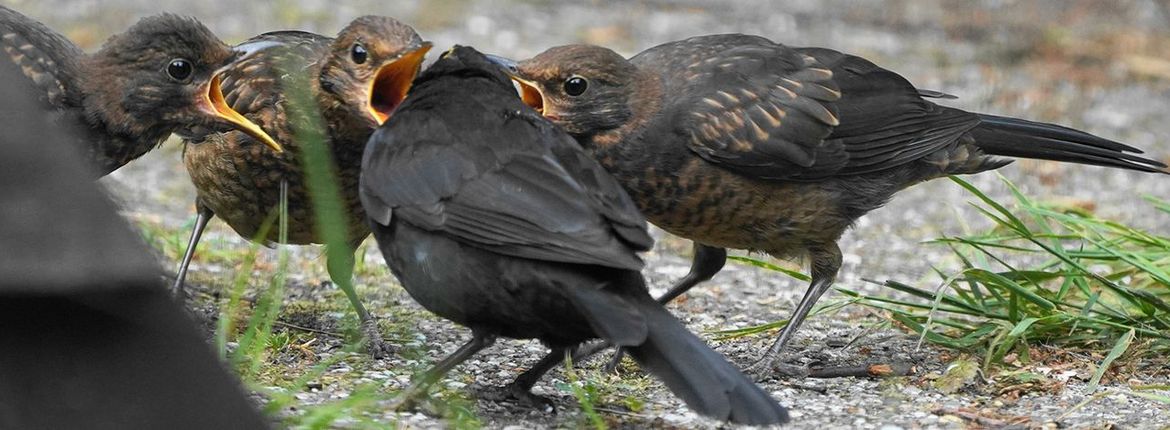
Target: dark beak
[{"x": 509, "y": 65}]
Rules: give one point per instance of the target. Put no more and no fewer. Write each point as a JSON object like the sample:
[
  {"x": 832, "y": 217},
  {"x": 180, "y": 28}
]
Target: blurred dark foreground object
[{"x": 89, "y": 336}]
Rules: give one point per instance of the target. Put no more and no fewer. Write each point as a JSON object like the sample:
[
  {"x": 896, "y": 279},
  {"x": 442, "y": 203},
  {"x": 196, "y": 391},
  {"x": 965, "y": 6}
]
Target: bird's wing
[
  {"x": 273, "y": 61},
  {"x": 750, "y": 105},
  {"x": 884, "y": 120},
  {"x": 602, "y": 191},
  {"x": 776, "y": 112},
  {"x": 505, "y": 189},
  {"x": 44, "y": 56}
]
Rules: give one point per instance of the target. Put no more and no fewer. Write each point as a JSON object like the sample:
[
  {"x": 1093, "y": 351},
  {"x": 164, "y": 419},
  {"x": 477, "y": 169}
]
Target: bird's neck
[
  {"x": 645, "y": 102},
  {"x": 111, "y": 138}
]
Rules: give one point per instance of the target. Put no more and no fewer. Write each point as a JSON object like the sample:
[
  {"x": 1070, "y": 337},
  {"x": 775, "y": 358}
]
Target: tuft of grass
[
  {"x": 586, "y": 393},
  {"x": 1090, "y": 283},
  {"x": 1087, "y": 283}
]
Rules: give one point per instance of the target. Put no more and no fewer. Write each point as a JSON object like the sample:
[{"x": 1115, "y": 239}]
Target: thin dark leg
[
  {"x": 825, "y": 265},
  {"x": 478, "y": 342},
  {"x": 528, "y": 379},
  {"x": 203, "y": 216},
  {"x": 340, "y": 265},
  {"x": 520, "y": 390},
  {"x": 707, "y": 262}
]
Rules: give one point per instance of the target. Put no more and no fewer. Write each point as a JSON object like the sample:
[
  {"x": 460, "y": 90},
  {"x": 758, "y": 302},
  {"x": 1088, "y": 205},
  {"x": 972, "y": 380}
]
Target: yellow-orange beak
[
  {"x": 529, "y": 93},
  {"x": 216, "y": 106},
  {"x": 392, "y": 81}
]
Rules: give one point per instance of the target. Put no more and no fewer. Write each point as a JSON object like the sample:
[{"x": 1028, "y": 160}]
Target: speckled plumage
[
  {"x": 118, "y": 102},
  {"x": 735, "y": 141},
  {"x": 343, "y": 98},
  {"x": 238, "y": 180}
]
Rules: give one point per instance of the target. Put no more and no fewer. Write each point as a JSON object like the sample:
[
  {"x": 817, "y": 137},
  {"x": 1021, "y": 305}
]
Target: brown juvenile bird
[
  {"x": 734, "y": 141},
  {"x": 356, "y": 82},
  {"x": 159, "y": 77}
]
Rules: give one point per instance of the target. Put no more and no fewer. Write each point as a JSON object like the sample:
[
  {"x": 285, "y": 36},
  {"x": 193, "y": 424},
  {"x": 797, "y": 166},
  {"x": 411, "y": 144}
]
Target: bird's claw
[
  {"x": 770, "y": 366},
  {"x": 512, "y": 393},
  {"x": 374, "y": 344},
  {"x": 614, "y": 366},
  {"x": 403, "y": 403}
]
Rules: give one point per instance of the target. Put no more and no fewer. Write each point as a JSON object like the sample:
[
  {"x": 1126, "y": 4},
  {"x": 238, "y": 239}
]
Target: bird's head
[
  {"x": 162, "y": 76},
  {"x": 371, "y": 66},
  {"x": 585, "y": 89}
]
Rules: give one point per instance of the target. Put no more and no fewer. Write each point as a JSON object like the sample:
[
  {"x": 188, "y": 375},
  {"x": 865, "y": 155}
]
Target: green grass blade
[{"x": 1119, "y": 348}]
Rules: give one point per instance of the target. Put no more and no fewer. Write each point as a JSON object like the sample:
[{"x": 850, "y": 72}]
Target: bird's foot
[
  {"x": 403, "y": 403},
  {"x": 770, "y": 366},
  {"x": 614, "y": 366},
  {"x": 372, "y": 337},
  {"x": 513, "y": 393},
  {"x": 587, "y": 351}
]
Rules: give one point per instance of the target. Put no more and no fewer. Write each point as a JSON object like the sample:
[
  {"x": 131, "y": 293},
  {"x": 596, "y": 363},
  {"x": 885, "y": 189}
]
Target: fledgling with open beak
[
  {"x": 355, "y": 82},
  {"x": 160, "y": 76}
]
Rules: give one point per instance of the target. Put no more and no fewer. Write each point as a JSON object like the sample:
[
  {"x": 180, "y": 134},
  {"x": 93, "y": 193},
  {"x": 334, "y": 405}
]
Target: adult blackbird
[
  {"x": 161, "y": 76},
  {"x": 734, "y": 141},
  {"x": 89, "y": 338},
  {"x": 494, "y": 218},
  {"x": 356, "y": 81}
]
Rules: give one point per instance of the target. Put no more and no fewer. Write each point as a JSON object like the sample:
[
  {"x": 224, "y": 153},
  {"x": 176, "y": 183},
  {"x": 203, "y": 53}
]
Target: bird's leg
[
  {"x": 407, "y": 398},
  {"x": 340, "y": 263},
  {"x": 520, "y": 390},
  {"x": 204, "y": 215},
  {"x": 825, "y": 264},
  {"x": 708, "y": 261}
]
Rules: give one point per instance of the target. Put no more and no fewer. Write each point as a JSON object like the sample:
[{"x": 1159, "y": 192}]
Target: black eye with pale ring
[
  {"x": 358, "y": 53},
  {"x": 180, "y": 69},
  {"x": 576, "y": 86}
]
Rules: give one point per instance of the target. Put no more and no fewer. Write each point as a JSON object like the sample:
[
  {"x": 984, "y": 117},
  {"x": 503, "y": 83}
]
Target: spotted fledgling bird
[
  {"x": 355, "y": 81},
  {"x": 734, "y": 141},
  {"x": 492, "y": 217},
  {"x": 160, "y": 76}
]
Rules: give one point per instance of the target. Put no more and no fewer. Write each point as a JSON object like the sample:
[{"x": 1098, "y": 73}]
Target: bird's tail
[
  {"x": 660, "y": 343},
  {"x": 1013, "y": 137},
  {"x": 700, "y": 376}
]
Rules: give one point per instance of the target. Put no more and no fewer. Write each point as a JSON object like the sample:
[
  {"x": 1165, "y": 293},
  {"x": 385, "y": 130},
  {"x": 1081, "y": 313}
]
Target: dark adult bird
[
  {"x": 90, "y": 338},
  {"x": 355, "y": 82},
  {"x": 161, "y": 76},
  {"x": 735, "y": 141},
  {"x": 494, "y": 218}
]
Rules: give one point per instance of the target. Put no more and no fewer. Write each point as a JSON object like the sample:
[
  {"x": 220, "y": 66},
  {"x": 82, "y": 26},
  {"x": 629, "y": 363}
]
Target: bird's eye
[
  {"x": 180, "y": 69},
  {"x": 358, "y": 53},
  {"x": 576, "y": 86}
]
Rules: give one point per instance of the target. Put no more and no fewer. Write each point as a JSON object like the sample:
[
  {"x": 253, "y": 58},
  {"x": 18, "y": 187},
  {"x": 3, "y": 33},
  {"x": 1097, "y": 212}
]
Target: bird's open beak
[
  {"x": 213, "y": 104},
  {"x": 529, "y": 93},
  {"x": 392, "y": 81},
  {"x": 528, "y": 90}
]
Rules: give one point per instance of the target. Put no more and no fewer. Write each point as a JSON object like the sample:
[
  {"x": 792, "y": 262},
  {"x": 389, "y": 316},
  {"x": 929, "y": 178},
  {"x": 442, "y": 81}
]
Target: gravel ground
[{"x": 1100, "y": 66}]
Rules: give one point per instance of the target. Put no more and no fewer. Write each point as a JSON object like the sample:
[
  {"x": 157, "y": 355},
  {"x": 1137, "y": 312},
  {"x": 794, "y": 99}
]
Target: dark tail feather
[
  {"x": 700, "y": 376},
  {"x": 1013, "y": 137}
]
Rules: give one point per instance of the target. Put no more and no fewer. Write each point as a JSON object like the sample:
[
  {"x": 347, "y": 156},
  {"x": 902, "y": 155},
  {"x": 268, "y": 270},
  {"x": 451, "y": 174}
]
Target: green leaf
[
  {"x": 769, "y": 266},
  {"x": 1118, "y": 349}
]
